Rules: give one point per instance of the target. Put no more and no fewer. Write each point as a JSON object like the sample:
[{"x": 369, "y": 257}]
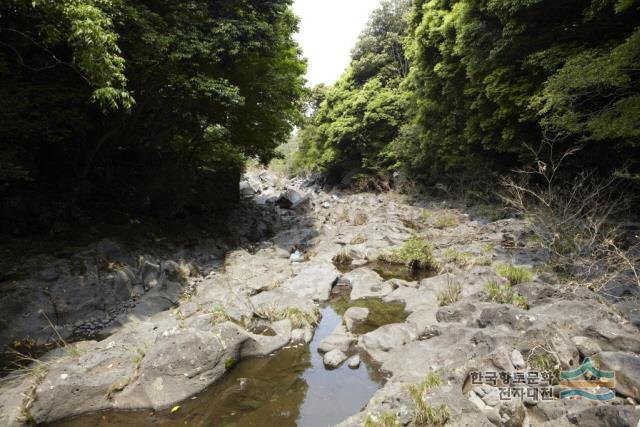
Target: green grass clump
[
  {"x": 416, "y": 253},
  {"x": 461, "y": 259},
  {"x": 386, "y": 419},
  {"x": 343, "y": 257},
  {"x": 515, "y": 275},
  {"x": 451, "y": 294},
  {"x": 483, "y": 260},
  {"x": 504, "y": 294},
  {"x": 424, "y": 414}
]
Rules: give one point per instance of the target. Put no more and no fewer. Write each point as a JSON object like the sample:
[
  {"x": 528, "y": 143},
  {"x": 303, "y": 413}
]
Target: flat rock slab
[
  {"x": 314, "y": 281},
  {"x": 366, "y": 283}
]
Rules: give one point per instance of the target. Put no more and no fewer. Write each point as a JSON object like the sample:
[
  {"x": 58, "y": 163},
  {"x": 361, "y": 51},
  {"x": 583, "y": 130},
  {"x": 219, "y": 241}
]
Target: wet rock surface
[{"x": 168, "y": 325}]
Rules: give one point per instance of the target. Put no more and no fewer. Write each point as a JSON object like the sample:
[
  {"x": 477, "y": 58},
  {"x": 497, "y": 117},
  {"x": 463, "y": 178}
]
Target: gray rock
[
  {"x": 314, "y": 281},
  {"x": 512, "y": 413},
  {"x": 492, "y": 398},
  {"x": 366, "y": 283},
  {"x": 517, "y": 360},
  {"x": 339, "y": 339},
  {"x": 354, "y": 362},
  {"x": 334, "y": 358},
  {"x": 291, "y": 199},
  {"x": 627, "y": 370},
  {"x": 297, "y": 256},
  {"x": 586, "y": 346},
  {"x": 355, "y": 316},
  {"x": 247, "y": 190},
  {"x": 386, "y": 338}
]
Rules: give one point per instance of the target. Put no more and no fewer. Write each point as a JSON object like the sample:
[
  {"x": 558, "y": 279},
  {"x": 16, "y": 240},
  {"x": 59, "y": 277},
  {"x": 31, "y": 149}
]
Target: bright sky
[{"x": 328, "y": 31}]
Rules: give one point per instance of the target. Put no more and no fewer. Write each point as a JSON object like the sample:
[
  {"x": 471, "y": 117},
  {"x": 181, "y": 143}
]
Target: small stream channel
[{"x": 291, "y": 388}]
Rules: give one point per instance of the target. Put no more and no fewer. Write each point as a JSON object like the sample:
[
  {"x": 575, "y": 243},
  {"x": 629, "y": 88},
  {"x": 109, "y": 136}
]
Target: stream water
[{"x": 291, "y": 388}]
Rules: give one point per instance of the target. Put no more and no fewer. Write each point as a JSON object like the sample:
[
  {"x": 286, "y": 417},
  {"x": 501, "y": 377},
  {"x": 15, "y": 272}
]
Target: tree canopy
[
  {"x": 487, "y": 82},
  {"x": 155, "y": 101}
]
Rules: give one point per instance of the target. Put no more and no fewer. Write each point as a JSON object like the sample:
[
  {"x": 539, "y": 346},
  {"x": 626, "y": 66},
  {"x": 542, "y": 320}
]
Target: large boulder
[
  {"x": 292, "y": 199},
  {"x": 627, "y": 370},
  {"x": 366, "y": 283}
]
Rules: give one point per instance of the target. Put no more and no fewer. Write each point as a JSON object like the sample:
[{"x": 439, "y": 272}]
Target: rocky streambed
[{"x": 239, "y": 333}]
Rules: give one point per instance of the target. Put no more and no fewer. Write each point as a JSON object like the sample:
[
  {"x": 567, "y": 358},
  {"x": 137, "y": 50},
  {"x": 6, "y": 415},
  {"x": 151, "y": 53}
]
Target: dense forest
[
  {"x": 448, "y": 87},
  {"x": 150, "y": 107},
  {"x": 115, "y": 107}
]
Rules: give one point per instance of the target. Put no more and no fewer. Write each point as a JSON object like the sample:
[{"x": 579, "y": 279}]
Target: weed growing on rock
[
  {"x": 386, "y": 419},
  {"x": 416, "y": 253},
  {"x": 461, "y": 259},
  {"x": 543, "y": 358},
  {"x": 298, "y": 318},
  {"x": 360, "y": 218},
  {"x": 424, "y": 414},
  {"x": 451, "y": 294},
  {"x": 230, "y": 363},
  {"x": 38, "y": 373},
  {"x": 358, "y": 239},
  {"x": 504, "y": 294},
  {"x": 515, "y": 275},
  {"x": 483, "y": 260},
  {"x": 219, "y": 314},
  {"x": 343, "y": 257},
  {"x": 446, "y": 219}
]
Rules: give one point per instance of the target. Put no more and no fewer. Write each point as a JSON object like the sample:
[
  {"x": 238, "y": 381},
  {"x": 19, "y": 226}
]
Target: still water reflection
[{"x": 291, "y": 388}]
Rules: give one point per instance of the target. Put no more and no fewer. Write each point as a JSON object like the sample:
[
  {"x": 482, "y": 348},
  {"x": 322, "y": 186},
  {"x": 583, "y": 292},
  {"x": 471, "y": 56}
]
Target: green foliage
[
  {"x": 490, "y": 77},
  {"x": 214, "y": 83},
  {"x": 504, "y": 294},
  {"x": 479, "y": 85},
  {"x": 230, "y": 363},
  {"x": 415, "y": 253},
  {"x": 355, "y": 120},
  {"x": 514, "y": 274}
]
